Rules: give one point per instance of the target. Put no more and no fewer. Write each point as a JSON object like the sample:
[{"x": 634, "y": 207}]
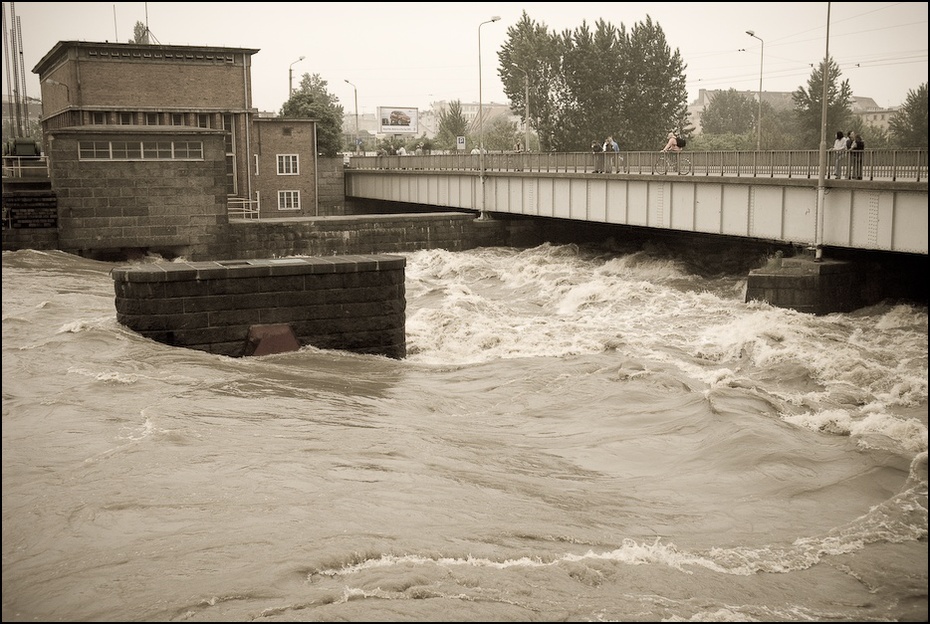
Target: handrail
[
  {"x": 241, "y": 208},
  {"x": 877, "y": 164},
  {"x": 25, "y": 167}
]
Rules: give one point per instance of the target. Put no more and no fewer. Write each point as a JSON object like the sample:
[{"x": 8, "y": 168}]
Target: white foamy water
[{"x": 576, "y": 434}]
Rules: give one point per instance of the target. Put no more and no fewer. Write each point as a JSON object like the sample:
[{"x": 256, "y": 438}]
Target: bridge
[{"x": 774, "y": 196}]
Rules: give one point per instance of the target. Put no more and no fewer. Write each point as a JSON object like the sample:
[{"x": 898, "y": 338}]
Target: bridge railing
[{"x": 877, "y": 164}]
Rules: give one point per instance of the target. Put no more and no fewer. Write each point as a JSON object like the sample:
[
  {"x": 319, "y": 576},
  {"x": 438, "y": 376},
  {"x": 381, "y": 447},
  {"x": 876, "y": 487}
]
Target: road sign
[{"x": 460, "y": 143}]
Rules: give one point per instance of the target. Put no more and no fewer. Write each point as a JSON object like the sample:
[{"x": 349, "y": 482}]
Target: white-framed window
[
  {"x": 203, "y": 120},
  {"x": 127, "y": 119},
  {"x": 98, "y": 118},
  {"x": 288, "y": 164},
  {"x": 94, "y": 150},
  {"x": 141, "y": 150},
  {"x": 126, "y": 150},
  {"x": 151, "y": 119},
  {"x": 288, "y": 200},
  {"x": 177, "y": 119}
]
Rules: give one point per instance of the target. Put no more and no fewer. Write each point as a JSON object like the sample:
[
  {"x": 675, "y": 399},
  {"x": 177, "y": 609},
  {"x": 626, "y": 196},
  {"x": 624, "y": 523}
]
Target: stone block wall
[{"x": 352, "y": 303}]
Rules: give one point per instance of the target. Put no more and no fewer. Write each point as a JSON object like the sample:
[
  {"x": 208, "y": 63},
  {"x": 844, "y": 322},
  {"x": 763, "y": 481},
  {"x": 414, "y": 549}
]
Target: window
[
  {"x": 203, "y": 121},
  {"x": 98, "y": 118},
  {"x": 177, "y": 119},
  {"x": 151, "y": 119},
  {"x": 288, "y": 164},
  {"x": 124, "y": 150},
  {"x": 188, "y": 149},
  {"x": 140, "y": 150},
  {"x": 288, "y": 200},
  {"x": 94, "y": 150},
  {"x": 156, "y": 149},
  {"x": 231, "y": 173},
  {"x": 126, "y": 119}
]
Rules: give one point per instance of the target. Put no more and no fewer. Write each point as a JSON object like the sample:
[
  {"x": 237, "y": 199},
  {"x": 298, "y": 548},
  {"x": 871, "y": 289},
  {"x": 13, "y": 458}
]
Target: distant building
[{"x": 864, "y": 107}]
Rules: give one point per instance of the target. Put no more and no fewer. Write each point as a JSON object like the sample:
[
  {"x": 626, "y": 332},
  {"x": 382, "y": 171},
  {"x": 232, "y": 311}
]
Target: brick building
[{"x": 120, "y": 110}]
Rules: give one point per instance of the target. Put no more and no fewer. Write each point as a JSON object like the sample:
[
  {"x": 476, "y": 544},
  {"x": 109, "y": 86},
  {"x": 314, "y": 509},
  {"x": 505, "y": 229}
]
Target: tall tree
[
  {"x": 808, "y": 104},
  {"x": 140, "y": 34},
  {"x": 531, "y": 57},
  {"x": 588, "y": 83},
  {"x": 729, "y": 112},
  {"x": 312, "y": 100},
  {"x": 654, "y": 97},
  {"x": 908, "y": 125},
  {"x": 452, "y": 124}
]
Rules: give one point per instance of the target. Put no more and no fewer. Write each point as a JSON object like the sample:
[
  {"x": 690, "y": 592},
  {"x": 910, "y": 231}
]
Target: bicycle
[{"x": 680, "y": 164}]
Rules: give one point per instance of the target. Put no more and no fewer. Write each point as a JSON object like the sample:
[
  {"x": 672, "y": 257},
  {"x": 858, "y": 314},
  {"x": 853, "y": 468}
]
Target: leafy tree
[
  {"x": 589, "y": 83},
  {"x": 908, "y": 125},
  {"x": 140, "y": 34},
  {"x": 500, "y": 134},
  {"x": 808, "y": 104},
  {"x": 532, "y": 56},
  {"x": 654, "y": 96},
  {"x": 311, "y": 100},
  {"x": 876, "y": 137},
  {"x": 452, "y": 124},
  {"x": 730, "y": 112}
]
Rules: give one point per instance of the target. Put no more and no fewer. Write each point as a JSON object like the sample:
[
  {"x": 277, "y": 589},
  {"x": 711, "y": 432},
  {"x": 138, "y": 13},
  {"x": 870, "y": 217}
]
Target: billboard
[{"x": 397, "y": 120}]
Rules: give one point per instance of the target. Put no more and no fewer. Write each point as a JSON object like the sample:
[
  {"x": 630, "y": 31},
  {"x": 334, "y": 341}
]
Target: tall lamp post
[
  {"x": 356, "y": 114},
  {"x": 481, "y": 118},
  {"x": 759, "y": 120},
  {"x": 290, "y": 76},
  {"x": 526, "y": 115}
]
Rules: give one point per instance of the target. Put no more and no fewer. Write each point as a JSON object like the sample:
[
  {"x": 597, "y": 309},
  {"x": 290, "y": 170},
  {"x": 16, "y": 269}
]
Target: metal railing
[
  {"x": 241, "y": 208},
  {"x": 878, "y": 164},
  {"x": 25, "y": 167}
]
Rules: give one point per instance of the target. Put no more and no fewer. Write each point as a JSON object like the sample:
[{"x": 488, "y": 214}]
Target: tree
[
  {"x": 808, "y": 104},
  {"x": 908, "y": 125},
  {"x": 531, "y": 56},
  {"x": 589, "y": 83},
  {"x": 654, "y": 96},
  {"x": 311, "y": 100},
  {"x": 140, "y": 34},
  {"x": 729, "y": 112},
  {"x": 452, "y": 124},
  {"x": 500, "y": 134}
]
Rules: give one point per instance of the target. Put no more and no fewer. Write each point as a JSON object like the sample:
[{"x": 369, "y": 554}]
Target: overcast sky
[{"x": 407, "y": 54}]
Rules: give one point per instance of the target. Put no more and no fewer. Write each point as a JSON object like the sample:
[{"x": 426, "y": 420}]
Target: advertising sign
[{"x": 397, "y": 120}]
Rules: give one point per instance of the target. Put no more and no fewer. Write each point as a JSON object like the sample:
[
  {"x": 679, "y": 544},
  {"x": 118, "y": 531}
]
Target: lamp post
[
  {"x": 290, "y": 76},
  {"x": 481, "y": 118},
  {"x": 526, "y": 115},
  {"x": 356, "y": 114},
  {"x": 759, "y": 120}
]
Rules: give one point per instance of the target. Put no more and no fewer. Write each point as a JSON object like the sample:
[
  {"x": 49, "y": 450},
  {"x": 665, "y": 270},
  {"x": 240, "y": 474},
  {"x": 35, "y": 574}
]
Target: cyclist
[{"x": 672, "y": 145}]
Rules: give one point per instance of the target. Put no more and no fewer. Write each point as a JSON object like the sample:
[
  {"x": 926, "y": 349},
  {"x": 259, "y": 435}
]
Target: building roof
[{"x": 53, "y": 56}]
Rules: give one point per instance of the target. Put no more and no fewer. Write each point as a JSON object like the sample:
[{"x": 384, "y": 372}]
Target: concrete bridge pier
[{"x": 824, "y": 286}]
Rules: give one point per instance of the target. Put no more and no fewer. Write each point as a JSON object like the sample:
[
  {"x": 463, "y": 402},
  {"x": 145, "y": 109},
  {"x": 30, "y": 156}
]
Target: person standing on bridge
[
  {"x": 839, "y": 147},
  {"x": 611, "y": 152},
  {"x": 856, "y": 147},
  {"x": 598, "y": 150}
]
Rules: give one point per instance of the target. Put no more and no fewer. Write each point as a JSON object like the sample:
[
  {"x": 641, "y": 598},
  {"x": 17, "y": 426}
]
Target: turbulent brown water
[{"x": 574, "y": 436}]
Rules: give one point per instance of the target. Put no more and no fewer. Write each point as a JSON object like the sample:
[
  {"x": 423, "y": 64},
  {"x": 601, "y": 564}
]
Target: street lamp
[
  {"x": 481, "y": 117},
  {"x": 290, "y": 76},
  {"x": 526, "y": 115},
  {"x": 356, "y": 114},
  {"x": 759, "y": 120}
]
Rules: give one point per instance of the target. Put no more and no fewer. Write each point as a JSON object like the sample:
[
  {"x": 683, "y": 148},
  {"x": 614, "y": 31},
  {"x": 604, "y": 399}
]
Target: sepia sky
[{"x": 410, "y": 54}]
